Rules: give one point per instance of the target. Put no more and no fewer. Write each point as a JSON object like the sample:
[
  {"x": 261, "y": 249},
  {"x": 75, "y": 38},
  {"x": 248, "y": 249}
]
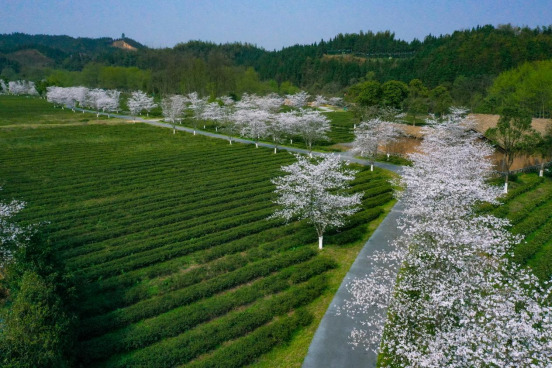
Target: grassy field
[{"x": 169, "y": 239}]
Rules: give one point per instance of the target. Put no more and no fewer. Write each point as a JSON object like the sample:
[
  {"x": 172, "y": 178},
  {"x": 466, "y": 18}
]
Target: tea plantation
[{"x": 169, "y": 240}]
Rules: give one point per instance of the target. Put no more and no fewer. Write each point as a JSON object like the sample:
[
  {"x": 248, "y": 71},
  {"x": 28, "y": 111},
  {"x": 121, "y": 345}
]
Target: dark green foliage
[{"x": 39, "y": 322}]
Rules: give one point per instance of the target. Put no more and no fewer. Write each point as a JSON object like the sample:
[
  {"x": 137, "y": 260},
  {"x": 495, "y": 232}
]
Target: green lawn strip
[
  {"x": 181, "y": 319},
  {"x": 253, "y": 322},
  {"x": 148, "y": 308}
]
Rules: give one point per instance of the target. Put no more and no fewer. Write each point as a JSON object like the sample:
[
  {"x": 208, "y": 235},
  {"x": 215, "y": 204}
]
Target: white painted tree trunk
[
  {"x": 83, "y": 111},
  {"x": 372, "y": 167},
  {"x": 204, "y": 127},
  {"x": 320, "y": 242},
  {"x": 216, "y": 129},
  {"x": 194, "y": 132},
  {"x": 388, "y": 156},
  {"x": 174, "y": 131},
  {"x": 541, "y": 173},
  {"x": 291, "y": 141},
  {"x": 256, "y": 145},
  {"x": 505, "y": 188},
  {"x": 275, "y": 150},
  {"x": 230, "y": 141}
]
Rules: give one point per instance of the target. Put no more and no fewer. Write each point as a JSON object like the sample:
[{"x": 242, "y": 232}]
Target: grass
[{"x": 157, "y": 225}]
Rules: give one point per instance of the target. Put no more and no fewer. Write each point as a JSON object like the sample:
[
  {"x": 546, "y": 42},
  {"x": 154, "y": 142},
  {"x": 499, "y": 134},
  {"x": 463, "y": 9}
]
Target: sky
[{"x": 268, "y": 24}]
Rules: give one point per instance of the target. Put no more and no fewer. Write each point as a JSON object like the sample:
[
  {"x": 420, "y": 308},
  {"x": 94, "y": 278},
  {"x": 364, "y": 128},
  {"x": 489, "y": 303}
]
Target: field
[
  {"x": 168, "y": 237},
  {"x": 528, "y": 206}
]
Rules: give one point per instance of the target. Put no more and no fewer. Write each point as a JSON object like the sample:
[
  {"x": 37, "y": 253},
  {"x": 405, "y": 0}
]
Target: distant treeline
[{"x": 464, "y": 62}]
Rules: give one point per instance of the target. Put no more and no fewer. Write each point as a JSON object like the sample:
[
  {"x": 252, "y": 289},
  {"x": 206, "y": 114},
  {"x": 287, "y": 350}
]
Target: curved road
[{"x": 329, "y": 347}]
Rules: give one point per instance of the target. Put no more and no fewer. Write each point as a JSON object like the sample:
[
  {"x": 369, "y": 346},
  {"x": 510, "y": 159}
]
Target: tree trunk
[
  {"x": 320, "y": 242},
  {"x": 174, "y": 131},
  {"x": 275, "y": 149},
  {"x": 256, "y": 145},
  {"x": 216, "y": 129},
  {"x": 194, "y": 132},
  {"x": 388, "y": 156},
  {"x": 230, "y": 141},
  {"x": 506, "y": 182},
  {"x": 291, "y": 141},
  {"x": 371, "y": 167},
  {"x": 541, "y": 171}
]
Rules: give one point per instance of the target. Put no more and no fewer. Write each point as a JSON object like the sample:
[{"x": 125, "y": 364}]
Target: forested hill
[{"x": 469, "y": 57}]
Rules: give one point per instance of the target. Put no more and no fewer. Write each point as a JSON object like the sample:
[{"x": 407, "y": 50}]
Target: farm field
[
  {"x": 528, "y": 206},
  {"x": 169, "y": 239}
]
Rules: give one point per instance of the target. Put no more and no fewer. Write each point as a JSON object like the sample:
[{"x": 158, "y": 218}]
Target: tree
[
  {"x": 368, "y": 93},
  {"x": 312, "y": 126},
  {"x": 139, "y": 101},
  {"x": 316, "y": 191},
  {"x": 253, "y": 123},
  {"x": 370, "y": 135},
  {"x": 173, "y": 107},
  {"x": 458, "y": 300},
  {"x": 393, "y": 93},
  {"x": 440, "y": 100},
  {"x": 512, "y": 133},
  {"x": 298, "y": 99},
  {"x": 36, "y": 331},
  {"x": 197, "y": 105},
  {"x": 12, "y": 235},
  {"x": 22, "y": 87},
  {"x": 543, "y": 147}
]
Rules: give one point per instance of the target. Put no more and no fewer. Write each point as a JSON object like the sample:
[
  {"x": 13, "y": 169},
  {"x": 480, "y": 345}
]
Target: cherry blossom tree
[
  {"x": 3, "y": 87},
  {"x": 22, "y": 87},
  {"x": 312, "y": 126},
  {"x": 12, "y": 236},
  {"x": 253, "y": 123},
  {"x": 197, "y": 105},
  {"x": 139, "y": 101},
  {"x": 458, "y": 300},
  {"x": 336, "y": 101},
  {"x": 366, "y": 141},
  {"x": 319, "y": 101},
  {"x": 316, "y": 190},
  {"x": 173, "y": 107},
  {"x": 298, "y": 100}
]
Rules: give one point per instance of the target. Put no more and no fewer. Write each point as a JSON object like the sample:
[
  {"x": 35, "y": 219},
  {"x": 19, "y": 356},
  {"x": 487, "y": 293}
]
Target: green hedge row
[
  {"x": 99, "y": 325},
  {"x": 190, "y": 345},
  {"x": 235, "y": 227},
  {"x": 159, "y": 212},
  {"x": 194, "y": 227},
  {"x": 528, "y": 248},
  {"x": 184, "y": 318}
]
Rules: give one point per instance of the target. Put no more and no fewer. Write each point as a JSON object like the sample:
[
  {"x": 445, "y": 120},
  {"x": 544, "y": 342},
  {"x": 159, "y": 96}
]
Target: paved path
[
  {"x": 344, "y": 155},
  {"x": 329, "y": 347}
]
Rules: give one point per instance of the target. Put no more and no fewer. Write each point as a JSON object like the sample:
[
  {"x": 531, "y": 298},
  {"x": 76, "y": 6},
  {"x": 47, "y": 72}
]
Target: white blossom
[
  {"x": 457, "y": 301},
  {"x": 315, "y": 190}
]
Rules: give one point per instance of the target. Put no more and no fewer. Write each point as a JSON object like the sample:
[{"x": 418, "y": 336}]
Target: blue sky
[{"x": 268, "y": 24}]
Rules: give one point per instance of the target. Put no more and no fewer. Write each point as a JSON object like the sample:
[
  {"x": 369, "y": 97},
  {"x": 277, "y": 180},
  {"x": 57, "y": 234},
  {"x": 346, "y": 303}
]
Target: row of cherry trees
[
  {"x": 458, "y": 301},
  {"x": 20, "y": 87},
  {"x": 256, "y": 117}
]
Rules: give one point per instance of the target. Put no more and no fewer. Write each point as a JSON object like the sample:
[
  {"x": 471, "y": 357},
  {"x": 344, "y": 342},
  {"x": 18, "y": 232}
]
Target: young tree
[
  {"x": 173, "y": 107},
  {"x": 253, "y": 123},
  {"x": 316, "y": 191},
  {"x": 366, "y": 141},
  {"x": 197, "y": 105},
  {"x": 512, "y": 133},
  {"x": 3, "y": 87},
  {"x": 544, "y": 148},
  {"x": 12, "y": 236},
  {"x": 298, "y": 100},
  {"x": 139, "y": 101},
  {"x": 312, "y": 126},
  {"x": 97, "y": 99},
  {"x": 458, "y": 300}
]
